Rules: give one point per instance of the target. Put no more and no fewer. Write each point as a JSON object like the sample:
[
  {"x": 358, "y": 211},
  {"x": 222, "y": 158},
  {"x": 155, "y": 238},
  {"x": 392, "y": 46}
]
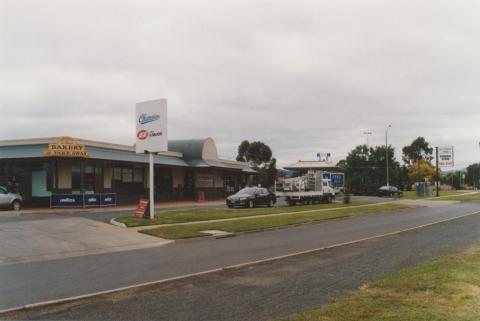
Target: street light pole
[{"x": 386, "y": 152}]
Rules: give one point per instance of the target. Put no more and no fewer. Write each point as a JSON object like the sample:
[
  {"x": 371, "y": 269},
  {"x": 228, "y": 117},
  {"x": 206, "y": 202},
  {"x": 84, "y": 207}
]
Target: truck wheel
[{"x": 16, "y": 205}]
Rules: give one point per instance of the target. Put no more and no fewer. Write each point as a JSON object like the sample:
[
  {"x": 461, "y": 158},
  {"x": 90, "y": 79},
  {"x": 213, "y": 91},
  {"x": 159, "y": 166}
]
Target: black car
[
  {"x": 390, "y": 191},
  {"x": 250, "y": 197}
]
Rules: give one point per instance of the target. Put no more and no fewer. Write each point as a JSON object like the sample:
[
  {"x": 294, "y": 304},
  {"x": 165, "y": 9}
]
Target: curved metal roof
[{"x": 190, "y": 148}]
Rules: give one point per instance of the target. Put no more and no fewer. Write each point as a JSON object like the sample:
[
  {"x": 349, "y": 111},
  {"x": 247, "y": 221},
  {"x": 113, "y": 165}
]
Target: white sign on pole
[
  {"x": 445, "y": 156},
  {"x": 151, "y": 135}
]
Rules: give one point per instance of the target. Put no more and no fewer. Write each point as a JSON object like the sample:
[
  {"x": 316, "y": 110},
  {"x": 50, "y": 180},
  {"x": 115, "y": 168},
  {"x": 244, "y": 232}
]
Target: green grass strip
[
  {"x": 444, "y": 289},
  {"x": 444, "y": 194},
  {"x": 207, "y": 214},
  {"x": 460, "y": 197},
  {"x": 261, "y": 223}
]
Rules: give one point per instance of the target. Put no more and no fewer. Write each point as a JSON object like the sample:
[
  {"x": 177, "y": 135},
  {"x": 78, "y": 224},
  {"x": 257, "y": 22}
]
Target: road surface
[
  {"x": 27, "y": 283},
  {"x": 272, "y": 289}
]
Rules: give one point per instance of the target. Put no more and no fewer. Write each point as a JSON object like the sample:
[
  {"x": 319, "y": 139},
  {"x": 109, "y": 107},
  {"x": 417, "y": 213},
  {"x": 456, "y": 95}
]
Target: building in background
[
  {"x": 330, "y": 171},
  {"x": 44, "y": 167}
]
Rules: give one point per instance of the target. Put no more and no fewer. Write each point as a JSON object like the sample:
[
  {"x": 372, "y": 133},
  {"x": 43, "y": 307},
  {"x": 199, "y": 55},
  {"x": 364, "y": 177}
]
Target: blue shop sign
[
  {"x": 108, "y": 199},
  {"x": 66, "y": 200},
  {"x": 92, "y": 199},
  {"x": 83, "y": 200}
]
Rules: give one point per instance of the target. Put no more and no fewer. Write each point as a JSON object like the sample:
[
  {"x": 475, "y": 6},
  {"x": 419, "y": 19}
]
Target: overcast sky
[{"x": 302, "y": 76}]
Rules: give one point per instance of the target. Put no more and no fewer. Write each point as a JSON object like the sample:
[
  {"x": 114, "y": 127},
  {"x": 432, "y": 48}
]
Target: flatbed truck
[{"x": 307, "y": 189}]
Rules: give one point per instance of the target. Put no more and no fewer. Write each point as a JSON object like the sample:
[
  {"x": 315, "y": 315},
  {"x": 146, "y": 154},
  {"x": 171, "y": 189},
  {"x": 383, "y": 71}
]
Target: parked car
[
  {"x": 252, "y": 196},
  {"x": 10, "y": 200},
  {"x": 390, "y": 191}
]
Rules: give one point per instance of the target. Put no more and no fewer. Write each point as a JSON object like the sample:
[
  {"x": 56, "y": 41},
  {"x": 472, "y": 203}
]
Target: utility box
[{"x": 423, "y": 189}]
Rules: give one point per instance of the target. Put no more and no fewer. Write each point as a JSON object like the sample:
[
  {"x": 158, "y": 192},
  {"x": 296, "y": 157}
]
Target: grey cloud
[{"x": 303, "y": 76}]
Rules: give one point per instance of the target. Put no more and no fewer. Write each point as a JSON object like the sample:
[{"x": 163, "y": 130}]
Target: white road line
[{"x": 84, "y": 296}]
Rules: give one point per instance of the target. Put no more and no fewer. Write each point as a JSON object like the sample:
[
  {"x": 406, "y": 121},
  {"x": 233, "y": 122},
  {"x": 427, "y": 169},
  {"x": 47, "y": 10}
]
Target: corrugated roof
[
  {"x": 221, "y": 163},
  {"x": 310, "y": 164},
  {"x": 191, "y": 150}
]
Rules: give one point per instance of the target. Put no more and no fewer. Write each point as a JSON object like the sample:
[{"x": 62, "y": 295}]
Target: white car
[{"x": 10, "y": 200}]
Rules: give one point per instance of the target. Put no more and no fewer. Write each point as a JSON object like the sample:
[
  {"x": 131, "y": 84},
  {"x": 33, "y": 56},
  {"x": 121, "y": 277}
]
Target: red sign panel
[{"x": 141, "y": 208}]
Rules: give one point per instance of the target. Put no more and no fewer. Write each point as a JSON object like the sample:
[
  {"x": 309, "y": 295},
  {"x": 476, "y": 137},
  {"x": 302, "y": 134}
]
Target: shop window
[
  {"x": 229, "y": 183},
  {"x": 164, "y": 181},
  {"x": 127, "y": 175},
  {"x": 89, "y": 178},
  {"x": 128, "y": 179},
  {"x": 138, "y": 175},
  {"x": 117, "y": 173},
  {"x": 3, "y": 174},
  {"x": 76, "y": 177}
]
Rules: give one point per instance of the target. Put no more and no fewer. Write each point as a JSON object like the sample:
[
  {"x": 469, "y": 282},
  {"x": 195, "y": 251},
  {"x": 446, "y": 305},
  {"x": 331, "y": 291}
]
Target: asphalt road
[
  {"x": 32, "y": 282},
  {"x": 273, "y": 289}
]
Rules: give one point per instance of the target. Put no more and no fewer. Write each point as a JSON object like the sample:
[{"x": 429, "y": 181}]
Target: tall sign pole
[
  {"x": 436, "y": 157},
  {"x": 386, "y": 153},
  {"x": 151, "y": 184},
  {"x": 151, "y": 137}
]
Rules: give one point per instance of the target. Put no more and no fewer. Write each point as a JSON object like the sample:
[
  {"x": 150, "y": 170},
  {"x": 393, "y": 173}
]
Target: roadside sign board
[
  {"x": 141, "y": 208},
  {"x": 151, "y": 120},
  {"x": 445, "y": 156}
]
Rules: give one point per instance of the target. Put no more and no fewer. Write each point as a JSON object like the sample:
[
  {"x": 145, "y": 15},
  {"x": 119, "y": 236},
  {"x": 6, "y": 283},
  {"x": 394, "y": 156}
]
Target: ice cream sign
[{"x": 151, "y": 126}]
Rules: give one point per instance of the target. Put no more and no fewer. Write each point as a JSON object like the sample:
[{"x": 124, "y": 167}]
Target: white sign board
[
  {"x": 151, "y": 134},
  {"x": 445, "y": 156}
]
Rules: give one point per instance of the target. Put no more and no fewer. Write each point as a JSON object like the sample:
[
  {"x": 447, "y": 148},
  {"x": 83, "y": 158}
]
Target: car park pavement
[{"x": 47, "y": 239}]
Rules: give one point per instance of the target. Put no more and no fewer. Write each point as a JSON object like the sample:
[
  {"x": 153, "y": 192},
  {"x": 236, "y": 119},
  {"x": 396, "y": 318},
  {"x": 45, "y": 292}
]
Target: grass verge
[
  {"x": 462, "y": 197},
  {"x": 261, "y": 223},
  {"x": 207, "y": 214},
  {"x": 444, "y": 289},
  {"x": 444, "y": 194}
]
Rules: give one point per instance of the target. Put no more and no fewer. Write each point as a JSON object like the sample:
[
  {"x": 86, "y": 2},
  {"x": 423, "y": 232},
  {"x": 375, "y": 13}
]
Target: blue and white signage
[
  {"x": 83, "y": 200},
  {"x": 151, "y": 120},
  {"x": 92, "y": 200},
  {"x": 337, "y": 179},
  {"x": 108, "y": 199},
  {"x": 66, "y": 200}
]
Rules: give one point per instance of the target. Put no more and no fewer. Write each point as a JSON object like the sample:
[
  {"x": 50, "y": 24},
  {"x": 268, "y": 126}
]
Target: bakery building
[{"x": 62, "y": 171}]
